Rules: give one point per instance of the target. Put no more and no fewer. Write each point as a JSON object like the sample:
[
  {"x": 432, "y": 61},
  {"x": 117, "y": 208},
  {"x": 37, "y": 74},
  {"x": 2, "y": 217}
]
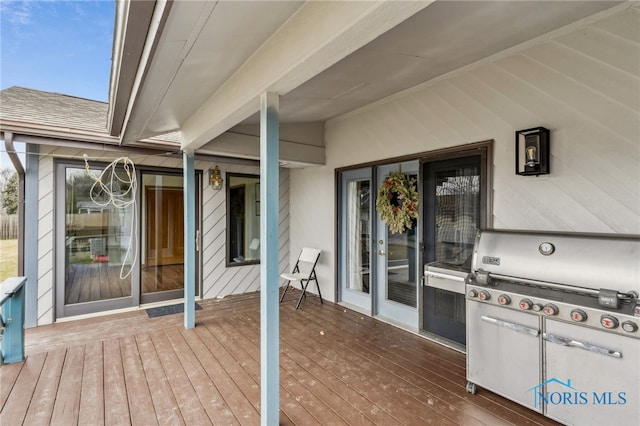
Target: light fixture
[
  {"x": 215, "y": 179},
  {"x": 532, "y": 151}
]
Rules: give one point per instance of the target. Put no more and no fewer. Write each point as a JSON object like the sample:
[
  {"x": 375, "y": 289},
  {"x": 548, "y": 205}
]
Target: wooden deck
[{"x": 337, "y": 367}]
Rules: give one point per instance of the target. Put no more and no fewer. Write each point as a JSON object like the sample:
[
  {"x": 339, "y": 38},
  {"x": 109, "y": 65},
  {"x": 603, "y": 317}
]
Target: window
[{"x": 243, "y": 219}]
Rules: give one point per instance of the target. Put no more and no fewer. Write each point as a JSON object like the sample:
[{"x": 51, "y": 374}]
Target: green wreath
[{"x": 397, "y": 202}]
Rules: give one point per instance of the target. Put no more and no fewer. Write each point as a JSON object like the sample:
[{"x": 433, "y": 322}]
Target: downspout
[{"x": 13, "y": 156}]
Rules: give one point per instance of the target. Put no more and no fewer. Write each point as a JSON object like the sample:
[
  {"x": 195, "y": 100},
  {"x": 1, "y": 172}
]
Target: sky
[{"x": 56, "y": 46}]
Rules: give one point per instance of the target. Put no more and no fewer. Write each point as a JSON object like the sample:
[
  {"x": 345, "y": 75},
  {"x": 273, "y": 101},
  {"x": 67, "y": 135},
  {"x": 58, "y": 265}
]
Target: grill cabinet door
[
  {"x": 503, "y": 351},
  {"x": 592, "y": 376}
]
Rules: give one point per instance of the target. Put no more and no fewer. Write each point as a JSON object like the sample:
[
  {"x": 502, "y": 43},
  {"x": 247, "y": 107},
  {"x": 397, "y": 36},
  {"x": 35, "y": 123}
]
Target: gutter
[{"x": 13, "y": 156}]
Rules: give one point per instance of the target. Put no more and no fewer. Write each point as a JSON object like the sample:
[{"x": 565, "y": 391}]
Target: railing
[{"x": 12, "y": 320}]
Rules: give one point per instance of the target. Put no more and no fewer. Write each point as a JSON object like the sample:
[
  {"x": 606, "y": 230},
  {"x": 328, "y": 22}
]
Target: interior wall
[{"x": 582, "y": 83}]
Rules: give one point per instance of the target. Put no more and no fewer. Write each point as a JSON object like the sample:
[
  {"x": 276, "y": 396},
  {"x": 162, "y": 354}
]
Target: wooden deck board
[
  {"x": 186, "y": 397},
  {"x": 15, "y": 409},
  {"x": 67, "y": 400},
  {"x": 10, "y": 373},
  {"x": 210, "y": 397},
  {"x": 166, "y": 407},
  {"x": 135, "y": 378},
  {"x": 336, "y": 367},
  {"x": 92, "y": 395},
  {"x": 116, "y": 405}
]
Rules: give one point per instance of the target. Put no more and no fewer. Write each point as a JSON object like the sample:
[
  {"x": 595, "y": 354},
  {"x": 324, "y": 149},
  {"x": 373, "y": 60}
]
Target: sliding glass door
[
  {"x": 162, "y": 261},
  {"x": 96, "y": 243},
  {"x": 118, "y": 248}
]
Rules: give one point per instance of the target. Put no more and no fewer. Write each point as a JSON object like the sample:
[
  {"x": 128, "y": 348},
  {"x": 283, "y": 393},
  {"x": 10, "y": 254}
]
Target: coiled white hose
[{"x": 109, "y": 188}]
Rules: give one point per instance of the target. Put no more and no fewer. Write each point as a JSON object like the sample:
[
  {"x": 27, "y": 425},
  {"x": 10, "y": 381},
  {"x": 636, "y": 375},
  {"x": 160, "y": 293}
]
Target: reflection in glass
[
  {"x": 243, "y": 218},
  {"x": 358, "y": 235},
  {"x": 401, "y": 265},
  {"x": 457, "y": 213},
  {"x": 97, "y": 237}
]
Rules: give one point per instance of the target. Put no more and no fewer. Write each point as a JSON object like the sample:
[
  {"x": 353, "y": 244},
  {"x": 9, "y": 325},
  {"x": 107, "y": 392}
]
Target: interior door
[
  {"x": 165, "y": 218},
  {"x": 396, "y": 261}
]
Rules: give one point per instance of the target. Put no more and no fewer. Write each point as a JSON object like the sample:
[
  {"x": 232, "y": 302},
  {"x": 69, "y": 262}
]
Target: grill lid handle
[{"x": 611, "y": 298}]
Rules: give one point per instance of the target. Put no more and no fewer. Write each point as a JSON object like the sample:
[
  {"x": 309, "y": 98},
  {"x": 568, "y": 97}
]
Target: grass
[{"x": 8, "y": 259}]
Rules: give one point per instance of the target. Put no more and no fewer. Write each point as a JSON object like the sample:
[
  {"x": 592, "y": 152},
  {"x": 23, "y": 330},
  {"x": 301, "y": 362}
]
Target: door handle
[{"x": 381, "y": 252}]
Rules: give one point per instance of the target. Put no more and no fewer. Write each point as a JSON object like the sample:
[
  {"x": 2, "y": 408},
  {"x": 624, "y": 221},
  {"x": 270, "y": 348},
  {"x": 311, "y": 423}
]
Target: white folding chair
[{"x": 303, "y": 272}]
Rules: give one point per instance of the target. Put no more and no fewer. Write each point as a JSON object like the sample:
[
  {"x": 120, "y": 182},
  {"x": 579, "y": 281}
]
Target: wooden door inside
[{"x": 165, "y": 226}]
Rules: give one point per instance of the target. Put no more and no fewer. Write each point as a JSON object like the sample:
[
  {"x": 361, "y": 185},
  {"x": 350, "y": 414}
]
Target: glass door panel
[
  {"x": 451, "y": 220},
  {"x": 162, "y": 262},
  {"x": 452, "y": 209},
  {"x": 397, "y": 259},
  {"x": 355, "y": 240},
  {"x": 99, "y": 241}
]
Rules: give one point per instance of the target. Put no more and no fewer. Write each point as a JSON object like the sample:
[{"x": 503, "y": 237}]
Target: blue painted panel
[
  {"x": 269, "y": 277},
  {"x": 189, "y": 240},
  {"x": 12, "y": 293}
]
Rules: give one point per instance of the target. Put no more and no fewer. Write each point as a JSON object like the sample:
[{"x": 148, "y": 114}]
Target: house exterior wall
[
  {"x": 582, "y": 82},
  {"x": 217, "y": 279}
]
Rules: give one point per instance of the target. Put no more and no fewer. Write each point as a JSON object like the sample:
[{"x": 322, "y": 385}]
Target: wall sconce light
[
  {"x": 532, "y": 151},
  {"x": 215, "y": 179}
]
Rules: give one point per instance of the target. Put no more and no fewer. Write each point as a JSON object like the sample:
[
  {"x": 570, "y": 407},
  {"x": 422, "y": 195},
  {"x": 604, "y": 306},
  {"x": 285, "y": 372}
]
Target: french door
[
  {"x": 355, "y": 238},
  {"x": 396, "y": 254},
  {"x": 377, "y": 269}
]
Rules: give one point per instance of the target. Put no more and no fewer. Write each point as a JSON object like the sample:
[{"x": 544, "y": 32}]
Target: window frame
[{"x": 229, "y": 259}]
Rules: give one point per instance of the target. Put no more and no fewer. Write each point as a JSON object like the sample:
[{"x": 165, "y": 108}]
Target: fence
[{"x": 8, "y": 227}]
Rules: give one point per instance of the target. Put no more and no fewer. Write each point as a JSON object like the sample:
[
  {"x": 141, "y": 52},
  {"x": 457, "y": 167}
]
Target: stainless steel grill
[{"x": 553, "y": 323}]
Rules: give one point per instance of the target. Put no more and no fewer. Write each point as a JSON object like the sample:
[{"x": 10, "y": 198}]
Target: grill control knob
[
  {"x": 607, "y": 321},
  {"x": 578, "y": 315},
  {"x": 503, "y": 299},
  {"x": 525, "y": 304},
  {"x": 537, "y": 307},
  {"x": 484, "y": 295},
  {"x": 472, "y": 293},
  {"x": 550, "y": 309},
  {"x": 630, "y": 326}
]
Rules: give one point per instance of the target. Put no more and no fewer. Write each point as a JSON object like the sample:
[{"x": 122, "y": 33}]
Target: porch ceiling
[{"x": 210, "y": 61}]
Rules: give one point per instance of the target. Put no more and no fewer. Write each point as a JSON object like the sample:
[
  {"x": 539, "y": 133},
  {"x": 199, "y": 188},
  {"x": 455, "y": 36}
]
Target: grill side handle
[
  {"x": 565, "y": 341},
  {"x": 519, "y": 328}
]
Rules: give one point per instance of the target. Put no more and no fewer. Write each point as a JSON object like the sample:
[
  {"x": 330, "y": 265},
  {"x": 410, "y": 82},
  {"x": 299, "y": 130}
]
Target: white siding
[
  {"x": 583, "y": 83},
  {"x": 217, "y": 279}
]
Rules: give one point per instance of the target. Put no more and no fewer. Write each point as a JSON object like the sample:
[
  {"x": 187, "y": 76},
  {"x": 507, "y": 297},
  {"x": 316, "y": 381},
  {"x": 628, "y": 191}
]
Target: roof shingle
[{"x": 53, "y": 109}]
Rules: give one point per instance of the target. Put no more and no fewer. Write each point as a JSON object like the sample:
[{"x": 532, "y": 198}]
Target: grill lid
[{"x": 586, "y": 261}]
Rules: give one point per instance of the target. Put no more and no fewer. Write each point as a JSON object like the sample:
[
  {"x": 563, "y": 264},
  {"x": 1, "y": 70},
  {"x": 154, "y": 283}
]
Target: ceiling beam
[{"x": 317, "y": 36}]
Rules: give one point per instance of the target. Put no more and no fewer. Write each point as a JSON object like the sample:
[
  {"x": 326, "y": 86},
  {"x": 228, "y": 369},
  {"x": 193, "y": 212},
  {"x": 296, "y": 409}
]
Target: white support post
[
  {"x": 189, "y": 240},
  {"x": 269, "y": 274}
]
